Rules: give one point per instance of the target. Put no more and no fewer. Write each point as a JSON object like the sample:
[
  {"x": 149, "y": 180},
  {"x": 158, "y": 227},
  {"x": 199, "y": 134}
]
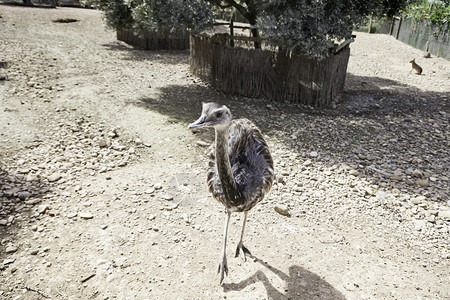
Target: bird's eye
[{"x": 219, "y": 114}]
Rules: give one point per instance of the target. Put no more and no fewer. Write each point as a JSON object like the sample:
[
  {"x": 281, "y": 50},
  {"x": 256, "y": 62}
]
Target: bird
[{"x": 240, "y": 171}]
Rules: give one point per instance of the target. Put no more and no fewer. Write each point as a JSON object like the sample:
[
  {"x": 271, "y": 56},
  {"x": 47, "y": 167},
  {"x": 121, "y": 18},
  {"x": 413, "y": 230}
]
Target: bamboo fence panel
[
  {"x": 275, "y": 75},
  {"x": 155, "y": 41}
]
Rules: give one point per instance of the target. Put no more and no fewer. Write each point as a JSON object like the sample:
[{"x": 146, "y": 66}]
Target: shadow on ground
[
  {"x": 383, "y": 125},
  {"x": 170, "y": 57},
  {"x": 300, "y": 284},
  {"x": 17, "y": 195}
]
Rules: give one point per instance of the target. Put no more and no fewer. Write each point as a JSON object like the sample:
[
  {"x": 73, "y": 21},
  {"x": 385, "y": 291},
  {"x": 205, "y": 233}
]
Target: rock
[
  {"x": 23, "y": 171},
  {"x": 85, "y": 215},
  {"x": 422, "y": 182},
  {"x": 307, "y": 162},
  {"x": 431, "y": 219},
  {"x": 34, "y": 252},
  {"x": 11, "y": 249},
  {"x": 313, "y": 154},
  {"x": 281, "y": 209},
  {"x": 54, "y": 177},
  {"x": 42, "y": 208},
  {"x": 23, "y": 195},
  {"x": 138, "y": 141},
  {"x": 167, "y": 197},
  {"x": 158, "y": 186},
  {"x": 3, "y": 222},
  {"x": 417, "y": 200},
  {"x": 102, "y": 143},
  {"x": 131, "y": 150},
  {"x": 445, "y": 214},
  {"x": 420, "y": 225},
  {"x": 203, "y": 144},
  {"x": 353, "y": 172},
  {"x": 149, "y": 191}
]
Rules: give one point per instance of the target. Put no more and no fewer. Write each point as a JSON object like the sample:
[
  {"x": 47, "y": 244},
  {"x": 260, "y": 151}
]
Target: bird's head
[{"x": 213, "y": 115}]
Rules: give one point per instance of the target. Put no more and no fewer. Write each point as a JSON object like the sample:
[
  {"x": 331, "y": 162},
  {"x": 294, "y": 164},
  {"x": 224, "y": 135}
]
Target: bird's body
[
  {"x": 240, "y": 171},
  {"x": 251, "y": 166}
]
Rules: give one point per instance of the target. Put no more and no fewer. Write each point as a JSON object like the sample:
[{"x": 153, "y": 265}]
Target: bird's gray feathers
[{"x": 251, "y": 164}]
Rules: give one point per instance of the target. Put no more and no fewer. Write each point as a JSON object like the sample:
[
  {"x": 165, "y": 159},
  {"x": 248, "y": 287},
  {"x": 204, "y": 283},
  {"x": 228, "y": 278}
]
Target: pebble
[
  {"x": 23, "y": 195},
  {"x": 313, "y": 154},
  {"x": 419, "y": 225},
  {"x": 422, "y": 182},
  {"x": 167, "y": 197},
  {"x": 86, "y": 216},
  {"x": 203, "y": 144},
  {"x": 11, "y": 249},
  {"x": 149, "y": 191},
  {"x": 54, "y": 177},
  {"x": 445, "y": 214},
  {"x": 281, "y": 209},
  {"x": 102, "y": 143},
  {"x": 158, "y": 186},
  {"x": 307, "y": 162},
  {"x": 42, "y": 208}
]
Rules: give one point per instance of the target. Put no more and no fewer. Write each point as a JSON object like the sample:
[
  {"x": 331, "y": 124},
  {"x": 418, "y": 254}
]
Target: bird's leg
[
  {"x": 223, "y": 262},
  {"x": 241, "y": 250}
]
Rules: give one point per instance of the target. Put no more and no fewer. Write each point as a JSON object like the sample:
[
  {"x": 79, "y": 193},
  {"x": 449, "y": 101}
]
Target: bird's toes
[{"x": 243, "y": 252}]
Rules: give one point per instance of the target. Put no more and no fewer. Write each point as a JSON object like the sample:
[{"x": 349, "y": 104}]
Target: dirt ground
[{"x": 103, "y": 192}]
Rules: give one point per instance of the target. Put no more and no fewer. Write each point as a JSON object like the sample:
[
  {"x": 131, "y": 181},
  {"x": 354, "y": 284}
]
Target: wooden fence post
[
  {"x": 232, "y": 31},
  {"x": 370, "y": 24},
  {"x": 398, "y": 28}
]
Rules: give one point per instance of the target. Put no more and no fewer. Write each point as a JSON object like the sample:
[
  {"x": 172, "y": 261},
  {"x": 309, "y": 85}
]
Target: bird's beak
[{"x": 199, "y": 123}]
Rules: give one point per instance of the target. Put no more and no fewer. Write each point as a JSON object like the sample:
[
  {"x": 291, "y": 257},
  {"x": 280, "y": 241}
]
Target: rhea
[{"x": 240, "y": 170}]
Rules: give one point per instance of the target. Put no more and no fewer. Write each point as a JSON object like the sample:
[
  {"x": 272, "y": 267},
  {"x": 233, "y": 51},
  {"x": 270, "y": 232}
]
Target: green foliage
[
  {"x": 168, "y": 16},
  {"x": 312, "y": 27},
  {"x": 165, "y": 16},
  {"x": 436, "y": 13},
  {"x": 117, "y": 14}
]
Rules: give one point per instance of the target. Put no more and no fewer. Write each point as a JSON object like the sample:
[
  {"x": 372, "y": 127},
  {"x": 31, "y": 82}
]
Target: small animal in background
[{"x": 416, "y": 67}]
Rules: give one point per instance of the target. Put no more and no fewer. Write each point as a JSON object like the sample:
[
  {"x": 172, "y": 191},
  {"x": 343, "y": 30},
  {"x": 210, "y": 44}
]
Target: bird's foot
[
  {"x": 242, "y": 251},
  {"x": 223, "y": 268}
]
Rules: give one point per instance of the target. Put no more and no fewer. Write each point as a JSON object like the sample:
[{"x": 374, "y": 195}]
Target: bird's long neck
[{"x": 232, "y": 192}]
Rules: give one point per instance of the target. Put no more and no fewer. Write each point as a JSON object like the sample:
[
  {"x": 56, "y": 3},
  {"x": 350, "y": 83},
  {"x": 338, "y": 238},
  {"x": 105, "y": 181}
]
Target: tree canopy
[{"x": 309, "y": 27}]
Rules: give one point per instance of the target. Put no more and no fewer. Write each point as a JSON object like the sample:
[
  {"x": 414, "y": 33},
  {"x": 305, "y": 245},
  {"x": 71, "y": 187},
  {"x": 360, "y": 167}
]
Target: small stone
[
  {"x": 444, "y": 214},
  {"x": 104, "y": 227},
  {"x": 23, "y": 195},
  {"x": 313, "y": 154},
  {"x": 431, "y": 219},
  {"x": 422, "y": 182},
  {"x": 307, "y": 162},
  {"x": 281, "y": 209},
  {"x": 419, "y": 225},
  {"x": 167, "y": 197},
  {"x": 102, "y": 143},
  {"x": 54, "y": 177},
  {"x": 42, "y": 208},
  {"x": 203, "y": 144},
  {"x": 3, "y": 222},
  {"x": 149, "y": 191},
  {"x": 353, "y": 172},
  {"x": 138, "y": 141},
  {"x": 158, "y": 186},
  {"x": 131, "y": 150},
  {"x": 23, "y": 171},
  {"x": 11, "y": 249},
  {"x": 417, "y": 200},
  {"x": 34, "y": 252},
  {"x": 86, "y": 216}
]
